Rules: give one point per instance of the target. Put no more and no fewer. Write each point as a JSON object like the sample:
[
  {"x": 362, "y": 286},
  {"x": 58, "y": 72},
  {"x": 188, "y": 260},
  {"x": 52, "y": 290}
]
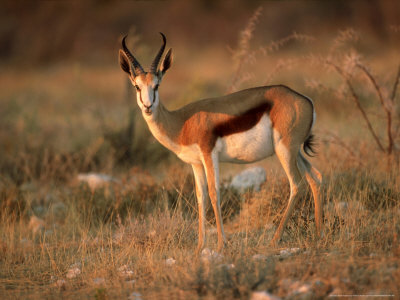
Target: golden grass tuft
[{"x": 138, "y": 234}]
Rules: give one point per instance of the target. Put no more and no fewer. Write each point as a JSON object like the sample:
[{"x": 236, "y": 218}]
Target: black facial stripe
[{"x": 140, "y": 97}]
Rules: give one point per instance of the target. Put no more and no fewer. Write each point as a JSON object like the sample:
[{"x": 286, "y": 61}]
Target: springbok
[{"x": 242, "y": 127}]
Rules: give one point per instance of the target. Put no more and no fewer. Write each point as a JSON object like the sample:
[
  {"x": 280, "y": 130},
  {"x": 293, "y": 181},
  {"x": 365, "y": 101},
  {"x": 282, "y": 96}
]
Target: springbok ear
[
  {"x": 167, "y": 62},
  {"x": 124, "y": 62}
]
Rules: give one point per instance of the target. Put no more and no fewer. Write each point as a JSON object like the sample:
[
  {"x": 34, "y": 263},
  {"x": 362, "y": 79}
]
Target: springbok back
[{"x": 242, "y": 127}]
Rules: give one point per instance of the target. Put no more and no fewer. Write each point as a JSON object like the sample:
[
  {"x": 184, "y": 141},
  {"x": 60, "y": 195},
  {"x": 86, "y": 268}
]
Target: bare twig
[
  {"x": 358, "y": 103},
  {"x": 276, "y": 45},
  {"x": 375, "y": 84},
  {"x": 338, "y": 141},
  {"x": 393, "y": 96},
  {"x": 280, "y": 65},
  {"x": 385, "y": 105},
  {"x": 396, "y": 83},
  {"x": 242, "y": 54},
  {"x": 343, "y": 37}
]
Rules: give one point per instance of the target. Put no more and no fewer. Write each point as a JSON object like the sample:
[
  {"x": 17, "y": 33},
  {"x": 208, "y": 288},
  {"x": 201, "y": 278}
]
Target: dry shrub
[
  {"x": 142, "y": 219},
  {"x": 12, "y": 201}
]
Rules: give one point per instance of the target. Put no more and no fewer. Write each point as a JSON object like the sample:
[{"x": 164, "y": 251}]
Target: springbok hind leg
[
  {"x": 288, "y": 159},
  {"x": 314, "y": 179}
]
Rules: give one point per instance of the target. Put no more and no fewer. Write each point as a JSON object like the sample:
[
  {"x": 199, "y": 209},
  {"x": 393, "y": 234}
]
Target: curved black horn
[
  {"x": 156, "y": 61},
  {"x": 138, "y": 68}
]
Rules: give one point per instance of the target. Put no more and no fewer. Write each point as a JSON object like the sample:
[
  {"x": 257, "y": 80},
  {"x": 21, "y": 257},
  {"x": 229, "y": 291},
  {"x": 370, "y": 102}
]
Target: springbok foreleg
[
  {"x": 201, "y": 194},
  {"x": 212, "y": 172}
]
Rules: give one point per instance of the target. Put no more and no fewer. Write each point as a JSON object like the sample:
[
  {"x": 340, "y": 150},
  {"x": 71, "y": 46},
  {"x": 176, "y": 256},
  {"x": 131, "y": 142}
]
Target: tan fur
[
  {"x": 196, "y": 122},
  {"x": 203, "y": 122},
  {"x": 210, "y": 162},
  {"x": 145, "y": 79},
  {"x": 199, "y": 132}
]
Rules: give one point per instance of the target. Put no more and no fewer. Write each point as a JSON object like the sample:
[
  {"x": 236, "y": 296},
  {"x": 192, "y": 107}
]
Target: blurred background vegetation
[
  {"x": 64, "y": 98},
  {"x": 67, "y": 109},
  {"x": 37, "y": 33}
]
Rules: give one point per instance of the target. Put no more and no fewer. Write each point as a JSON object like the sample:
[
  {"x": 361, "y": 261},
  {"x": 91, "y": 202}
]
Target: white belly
[{"x": 249, "y": 146}]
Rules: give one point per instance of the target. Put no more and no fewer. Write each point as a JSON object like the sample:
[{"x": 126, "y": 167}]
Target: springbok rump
[{"x": 242, "y": 127}]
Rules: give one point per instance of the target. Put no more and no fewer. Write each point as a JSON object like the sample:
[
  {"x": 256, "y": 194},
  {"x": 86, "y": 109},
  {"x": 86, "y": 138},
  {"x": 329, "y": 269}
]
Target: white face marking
[
  {"x": 249, "y": 146},
  {"x": 147, "y": 94}
]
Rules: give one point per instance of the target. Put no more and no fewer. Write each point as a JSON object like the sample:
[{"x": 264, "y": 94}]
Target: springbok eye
[
  {"x": 137, "y": 88},
  {"x": 156, "y": 87}
]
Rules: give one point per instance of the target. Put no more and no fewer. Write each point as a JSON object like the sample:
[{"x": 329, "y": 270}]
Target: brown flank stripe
[
  {"x": 224, "y": 125},
  {"x": 243, "y": 122}
]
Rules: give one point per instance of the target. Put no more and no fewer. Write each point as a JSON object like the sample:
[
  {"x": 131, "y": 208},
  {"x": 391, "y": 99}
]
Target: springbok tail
[{"x": 309, "y": 146}]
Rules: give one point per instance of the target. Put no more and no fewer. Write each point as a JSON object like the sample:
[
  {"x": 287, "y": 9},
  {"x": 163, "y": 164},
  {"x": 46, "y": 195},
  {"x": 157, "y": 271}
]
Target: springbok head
[{"x": 146, "y": 83}]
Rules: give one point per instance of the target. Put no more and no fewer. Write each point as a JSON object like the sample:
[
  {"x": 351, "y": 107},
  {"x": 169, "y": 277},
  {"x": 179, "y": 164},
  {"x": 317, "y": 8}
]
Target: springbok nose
[{"x": 147, "y": 107}]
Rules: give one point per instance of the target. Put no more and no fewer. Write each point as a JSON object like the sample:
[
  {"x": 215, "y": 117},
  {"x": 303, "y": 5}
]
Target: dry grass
[
  {"x": 140, "y": 227},
  {"x": 56, "y": 123}
]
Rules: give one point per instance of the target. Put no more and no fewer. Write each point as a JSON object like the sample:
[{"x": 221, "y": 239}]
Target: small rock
[
  {"x": 285, "y": 253},
  {"x": 61, "y": 283},
  {"x": 249, "y": 178},
  {"x": 285, "y": 284},
  {"x": 26, "y": 243},
  {"x": 135, "y": 296},
  {"x": 305, "y": 288},
  {"x": 321, "y": 288},
  {"x": 73, "y": 273},
  {"x": 301, "y": 291},
  {"x": 39, "y": 210},
  {"x": 341, "y": 208},
  {"x": 48, "y": 233},
  {"x": 99, "y": 281},
  {"x": 263, "y": 295},
  {"x": 125, "y": 272},
  {"x": 296, "y": 289},
  {"x": 227, "y": 266},
  {"x": 95, "y": 180},
  {"x": 77, "y": 264},
  {"x": 118, "y": 237},
  {"x": 58, "y": 210},
  {"x": 123, "y": 268},
  {"x": 50, "y": 198},
  {"x": 208, "y": 255},
  {"x": 35, "y": 224},
  {"x": 259, "y": 257},
  {"x": 131, "y": 282},
  {"x": 170, "y": 261},
  {"x": 28, "y": 187}
]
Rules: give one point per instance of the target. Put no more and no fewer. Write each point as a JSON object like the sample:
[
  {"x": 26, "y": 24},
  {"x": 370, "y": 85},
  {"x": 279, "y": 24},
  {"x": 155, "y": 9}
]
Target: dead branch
[
  {"x": 357, "y": 102},
  {"x": 385, "y": 105},
  {"x": 335, "y": 139},
  {"x": 396, "y": 82},
  {"x": 242, "y": 54}
]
